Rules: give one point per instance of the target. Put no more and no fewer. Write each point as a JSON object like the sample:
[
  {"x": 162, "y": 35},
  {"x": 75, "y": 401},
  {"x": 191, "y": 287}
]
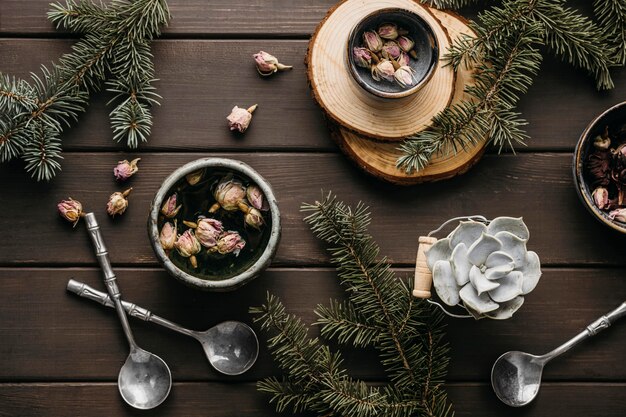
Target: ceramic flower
[{"x": 486, "y": 269}]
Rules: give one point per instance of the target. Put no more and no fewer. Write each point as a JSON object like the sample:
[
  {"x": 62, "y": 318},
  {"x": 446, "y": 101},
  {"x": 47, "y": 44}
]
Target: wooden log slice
[
  {"x": 347, "y": 104},
  {"x": 379, "y": 158}
]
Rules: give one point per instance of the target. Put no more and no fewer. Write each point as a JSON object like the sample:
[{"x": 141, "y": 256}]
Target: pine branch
[
  {"x": 80, "y": 17},
  {"x": 448, "y": 4},
  {"x": 611, "y": 16},
  {"x": 347, "y": 325}
]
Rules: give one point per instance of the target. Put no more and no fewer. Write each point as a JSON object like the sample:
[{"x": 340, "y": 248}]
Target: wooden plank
[
  {"x": 216, "y": 400},
  {"x": 202, "y": 79},
  {"x": 279, "y": 18},
  {"x": 535, "y": 186},
  {"x": 51, "y": 335}
]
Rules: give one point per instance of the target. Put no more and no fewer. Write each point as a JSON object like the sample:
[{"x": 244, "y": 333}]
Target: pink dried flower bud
[
  {"x": 208, "y": 231},
  {"x": 71, "y": 210},
  {"x": 170, "y": 209},
  {"x": 383, "y": 70},
  {"x": 404, "y": 76},
  {"x": 194, "y": 177},
  {"x": 118, "y": 203},
  {"x": 601, "y": 197},
  {"x": 229, "y": 194},
  {"x": 188, "y": 246},
  {"x": 362, "y": 57},
  {"x": 124, "y": 169},
  {"x": 254, "y": 219},
  {"x": 405, "y": 43},
  {"x": 619, "y": 215},
  {"x": 372, "y": 41},
  {"x": 403, "y": 59},
  {"x": 391, "y": 50},
  {"x": 388, "y": 31},
  {"x": 229, "y": 242},
  {"x": 256, "y": 198},
  {"x": 267, "y": 64},
  {"x": 168, "y": 236},
  {"x": 239, "y": 118}
]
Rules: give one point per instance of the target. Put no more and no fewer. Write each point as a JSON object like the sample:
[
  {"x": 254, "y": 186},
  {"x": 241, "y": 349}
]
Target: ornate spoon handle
[{"x": 109, "y": 276}]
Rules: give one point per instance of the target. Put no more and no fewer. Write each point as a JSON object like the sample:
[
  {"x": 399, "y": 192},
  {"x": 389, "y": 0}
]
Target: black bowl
[
  {"x": 616, "y": 115},
  {"x": 426, "y": 47}
]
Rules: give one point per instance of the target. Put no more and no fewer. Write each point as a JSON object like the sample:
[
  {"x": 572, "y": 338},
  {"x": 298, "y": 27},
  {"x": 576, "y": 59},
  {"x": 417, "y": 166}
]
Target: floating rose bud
[
  {"x": 602, "y": 141},
  {"x": 372, "y": 41},
  {"x": 267, "y": 64},
  {"x": 118, "y": 203},
  {"x": 229, "y": 242},
  {"x": 362, "y": 57},
  {"x": 388, "y": 31},
  {"x": 71, "y": 210},
  {"x": 406, "y": 43},
  {"x": 239, "y": 118},
  {"x": 403, "y": 59},
  {"x": 194, "y": 177},
  {"x": 188, "y": 246},
  {"x": 170, "y": 209},
  {"x": 391, "y": 50},
  {"x": 253, "y": 218},
  {"x": 208, "y": 231},
  {"x": 168, "y": 236},
  {"x": 619, "y": 215},
  {"x": 229, "y": 194},
  {"x": 383, "y": 70},
  {"x": 256, "y": 198},
  {"x": 124, "y": 169},
  {"x": 601, "y": 197},
  {"x": 404, "y": 76}
]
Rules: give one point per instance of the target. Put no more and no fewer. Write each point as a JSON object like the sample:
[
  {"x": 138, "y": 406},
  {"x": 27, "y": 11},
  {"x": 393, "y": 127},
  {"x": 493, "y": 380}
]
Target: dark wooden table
[{"x": 59, "y": 355}]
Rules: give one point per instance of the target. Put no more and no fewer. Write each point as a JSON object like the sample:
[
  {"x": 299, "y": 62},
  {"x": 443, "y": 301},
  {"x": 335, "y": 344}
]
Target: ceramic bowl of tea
[
  {"x": 403, "y": 42},
  {"x": 214, "y": 224},
  {"x": 599, "y": 167}
]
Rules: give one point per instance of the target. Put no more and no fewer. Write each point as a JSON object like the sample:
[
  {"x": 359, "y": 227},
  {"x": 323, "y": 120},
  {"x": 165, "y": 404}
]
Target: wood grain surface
[{"x": 59, "y": 355}]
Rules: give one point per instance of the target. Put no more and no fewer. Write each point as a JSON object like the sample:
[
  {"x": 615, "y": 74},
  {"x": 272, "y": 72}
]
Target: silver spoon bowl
[
  {"x": 516, "y": 376},
  {"x": 145, "y": 379},
  {"x": 231, "y": 347}
]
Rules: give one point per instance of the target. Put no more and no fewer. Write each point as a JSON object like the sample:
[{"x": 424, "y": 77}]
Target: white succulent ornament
[{"x": 485, "y": 268}]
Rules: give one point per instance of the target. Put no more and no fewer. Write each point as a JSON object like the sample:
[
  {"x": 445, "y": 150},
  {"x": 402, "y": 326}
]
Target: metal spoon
[
  {"x": 516, "y": 376},
  {"x": 231, "y": 346},
  {"x": 144, "y": 380}
]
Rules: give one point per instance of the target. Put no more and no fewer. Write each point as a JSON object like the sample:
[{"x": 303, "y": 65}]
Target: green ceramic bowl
[{"x": 212, "y": 275}]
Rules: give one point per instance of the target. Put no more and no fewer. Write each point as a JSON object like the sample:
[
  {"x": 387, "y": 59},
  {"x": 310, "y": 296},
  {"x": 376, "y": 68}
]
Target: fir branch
[
  {"x": 343, "y": 322},
  {"x": 448, "y": 4},
  {"x": 80, "y": 17},
  {"x": 611, "y": 15}
]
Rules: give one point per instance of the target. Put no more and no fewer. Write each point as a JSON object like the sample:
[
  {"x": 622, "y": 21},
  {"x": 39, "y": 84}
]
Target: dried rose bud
[
  {"x": 168, "y": 236},
  {"x": 391, "y": 50},
  {"x": 239, "y": 118},
  {"x": 194, "y": 177},
  {"x": 601, "y": 197},
  {"x": 170, "y": 209},
  {"x": 208, "y": 231},
  {"x": 118, "y": 203},
  {"x": 388, "y": 31},
  {"x": 406, "y": 43},
  {"x": 383, "y": 70},
  {"x": 229, "y": 194},
  {"x": 403, "y": 59},
  {"x": 362, "y": 57},
  {"x": 267, "y": 64},
  {"x": 256, "y": 198},
  {"x": 253, "y": 218},
  {"x": 71, "y": 210},
  {"x": 188, "y": 247},
  {"x": 599, "y": 166},
  {"x": 602, "y": 141},
  {"x": 124, "y": 169},
  {"x": 619, "y": 215},
  {"x": 229, "y": 242},
  {"x": 372, "y": 41},
  {"x": 405, "y": 76},
  {"x": 620, "y": 153}
]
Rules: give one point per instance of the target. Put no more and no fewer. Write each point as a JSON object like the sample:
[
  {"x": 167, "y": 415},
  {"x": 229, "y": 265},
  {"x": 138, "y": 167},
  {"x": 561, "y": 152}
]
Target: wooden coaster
[
  {"x": 379, "y": 159},
  {"x": 346, "y": 103}
]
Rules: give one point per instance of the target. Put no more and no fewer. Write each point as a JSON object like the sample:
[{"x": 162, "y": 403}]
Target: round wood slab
[
  {"x": 379, "y": 158},
  {"x": 350, "y": 106}
]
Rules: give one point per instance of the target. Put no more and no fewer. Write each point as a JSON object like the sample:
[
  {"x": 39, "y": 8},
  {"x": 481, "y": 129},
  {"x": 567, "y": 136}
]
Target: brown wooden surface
[{"x": 59, "y": 355}]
